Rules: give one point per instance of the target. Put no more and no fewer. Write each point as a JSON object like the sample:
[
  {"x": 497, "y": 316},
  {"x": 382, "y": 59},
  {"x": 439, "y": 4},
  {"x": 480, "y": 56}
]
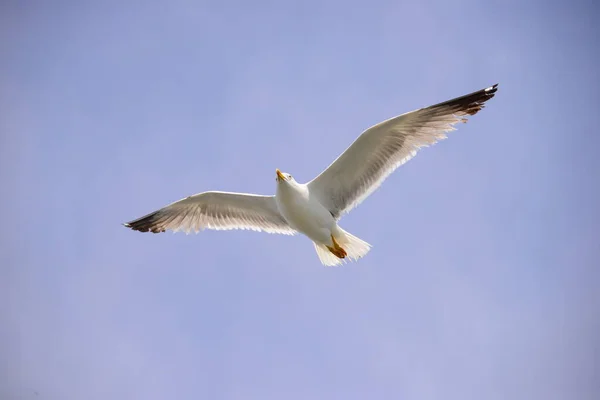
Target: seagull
[{"x": 314, "y": 208}]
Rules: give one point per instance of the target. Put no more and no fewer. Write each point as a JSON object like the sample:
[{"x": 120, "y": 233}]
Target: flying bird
[{"x": 314, "y": 208}]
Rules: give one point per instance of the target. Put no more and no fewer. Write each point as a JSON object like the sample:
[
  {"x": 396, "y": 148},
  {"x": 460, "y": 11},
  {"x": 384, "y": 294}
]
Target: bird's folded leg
[{"x": 337, "y": 250}]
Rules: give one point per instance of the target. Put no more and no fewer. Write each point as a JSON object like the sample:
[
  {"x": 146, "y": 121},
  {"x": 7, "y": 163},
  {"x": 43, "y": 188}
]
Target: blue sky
[{"x": 483, "y": 278}]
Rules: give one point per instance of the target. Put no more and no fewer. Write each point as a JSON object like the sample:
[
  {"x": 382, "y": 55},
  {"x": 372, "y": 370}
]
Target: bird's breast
[{"x": 303, "y": 213}]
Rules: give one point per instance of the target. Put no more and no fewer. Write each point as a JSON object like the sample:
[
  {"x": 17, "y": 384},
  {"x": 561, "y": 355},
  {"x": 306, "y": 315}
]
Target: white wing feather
[
  {"x": 379, "y": 150},
  {"x": 216, "y": 210}
]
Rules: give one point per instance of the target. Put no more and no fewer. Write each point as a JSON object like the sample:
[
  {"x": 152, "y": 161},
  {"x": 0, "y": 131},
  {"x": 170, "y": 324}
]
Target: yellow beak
[{"x": 280, "y": 176}]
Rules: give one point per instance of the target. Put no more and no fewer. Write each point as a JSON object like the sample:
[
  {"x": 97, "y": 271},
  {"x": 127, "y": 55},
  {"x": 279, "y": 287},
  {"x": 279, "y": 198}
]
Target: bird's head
[{"x": 283, "y": 177}]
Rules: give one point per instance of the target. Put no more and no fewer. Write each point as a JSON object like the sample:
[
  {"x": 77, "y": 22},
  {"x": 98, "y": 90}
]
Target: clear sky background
[{"x": 483, "y": 279}]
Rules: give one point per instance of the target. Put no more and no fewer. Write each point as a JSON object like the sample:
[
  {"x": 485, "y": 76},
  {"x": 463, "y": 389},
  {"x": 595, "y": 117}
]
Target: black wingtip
[
  {"x": 469, "y": 104},
  {"x": 492, "y": 89},
  {"x": 147, "y": 223}
]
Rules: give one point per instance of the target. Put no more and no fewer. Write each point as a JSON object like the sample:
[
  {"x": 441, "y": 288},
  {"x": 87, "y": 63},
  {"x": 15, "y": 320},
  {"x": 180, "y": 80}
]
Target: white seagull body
[{"x": 315, "y": 208}]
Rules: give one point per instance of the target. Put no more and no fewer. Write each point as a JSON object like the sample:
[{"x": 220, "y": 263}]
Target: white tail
[{"x": 355, "y": 249}]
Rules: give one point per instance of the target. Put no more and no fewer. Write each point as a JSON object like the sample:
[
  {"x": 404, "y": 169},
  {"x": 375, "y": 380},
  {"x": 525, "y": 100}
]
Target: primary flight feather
[{"x": 314, "y": 208}]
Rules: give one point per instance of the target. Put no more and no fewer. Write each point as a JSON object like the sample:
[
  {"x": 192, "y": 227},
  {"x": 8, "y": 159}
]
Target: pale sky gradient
[{"x": 483, "y": 279}]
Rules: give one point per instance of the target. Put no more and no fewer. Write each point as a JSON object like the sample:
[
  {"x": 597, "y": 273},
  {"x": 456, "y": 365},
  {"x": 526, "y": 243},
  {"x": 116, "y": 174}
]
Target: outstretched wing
[
  {"x": 216, "y": 210},
  {"x": 379, "y": 150}
]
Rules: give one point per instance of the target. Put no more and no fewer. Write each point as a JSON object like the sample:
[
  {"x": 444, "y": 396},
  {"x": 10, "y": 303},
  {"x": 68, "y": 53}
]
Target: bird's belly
[{"x": 309, "y": 218}]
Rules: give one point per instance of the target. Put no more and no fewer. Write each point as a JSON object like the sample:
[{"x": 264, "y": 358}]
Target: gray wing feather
[
  {"x": 379, "y": 150},
  {"x": 216, "y": 210}
]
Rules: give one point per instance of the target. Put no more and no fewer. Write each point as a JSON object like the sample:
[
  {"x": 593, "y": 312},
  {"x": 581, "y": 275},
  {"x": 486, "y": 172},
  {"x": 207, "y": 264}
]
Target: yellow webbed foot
[{"x": 337, "y": 250}]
